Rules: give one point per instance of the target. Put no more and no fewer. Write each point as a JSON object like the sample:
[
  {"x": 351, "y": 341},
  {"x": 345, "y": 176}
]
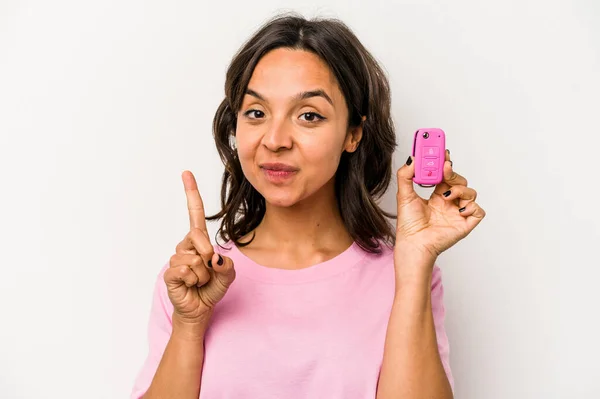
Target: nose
[{"x": 278, "y": 135}]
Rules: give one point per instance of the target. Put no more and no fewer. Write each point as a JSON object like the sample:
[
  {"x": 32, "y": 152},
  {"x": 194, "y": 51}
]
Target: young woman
[{"x": 313, "y": 293}]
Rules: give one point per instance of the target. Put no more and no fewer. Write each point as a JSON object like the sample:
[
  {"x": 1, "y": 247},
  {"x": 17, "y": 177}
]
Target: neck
[{"x": 313, "y": 223}]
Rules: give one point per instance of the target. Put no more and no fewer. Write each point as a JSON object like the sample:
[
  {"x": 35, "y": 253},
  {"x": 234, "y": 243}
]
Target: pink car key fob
[{"x": 429, "y": 152}]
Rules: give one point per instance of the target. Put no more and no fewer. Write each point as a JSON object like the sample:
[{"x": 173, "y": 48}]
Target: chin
[
  {"x": 279, "y": 197},
  {"x": 282, "y": 201}
]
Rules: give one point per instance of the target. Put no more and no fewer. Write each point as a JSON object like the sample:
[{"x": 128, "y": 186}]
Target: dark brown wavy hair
[{"x": 362, "y": 176}]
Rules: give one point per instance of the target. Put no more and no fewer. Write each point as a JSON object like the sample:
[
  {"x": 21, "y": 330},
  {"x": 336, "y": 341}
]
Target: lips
[
  {"x": 278, "y": 167},
  {"x": 278, "y": 173}
]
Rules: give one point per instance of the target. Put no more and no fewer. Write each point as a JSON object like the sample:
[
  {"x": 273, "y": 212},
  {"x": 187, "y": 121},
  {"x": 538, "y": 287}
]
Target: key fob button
[
  {"x": 430, "y": 173},
  {"x": 431, "y": 152},
  {"x": 430, "y": 163}
]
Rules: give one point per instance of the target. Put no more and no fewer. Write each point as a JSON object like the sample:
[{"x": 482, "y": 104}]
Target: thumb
[
  {"x": 406, "y": 190},
  {"x": 224, "y": 269}
]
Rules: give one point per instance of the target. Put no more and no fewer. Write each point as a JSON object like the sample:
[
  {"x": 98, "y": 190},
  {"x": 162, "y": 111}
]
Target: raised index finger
[{"x": 194, "y": 201}]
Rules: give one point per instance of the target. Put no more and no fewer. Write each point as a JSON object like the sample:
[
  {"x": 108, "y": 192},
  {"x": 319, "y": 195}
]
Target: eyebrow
[{"x": 300, "y": 96}]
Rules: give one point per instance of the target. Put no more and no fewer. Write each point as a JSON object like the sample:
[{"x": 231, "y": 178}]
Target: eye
[
  {"x": 312, "y": 117},
  {"x": 257, "y": 114}
]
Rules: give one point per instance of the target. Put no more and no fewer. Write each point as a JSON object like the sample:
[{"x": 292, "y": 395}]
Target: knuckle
[
  {"x": 173, "y": 260},
  {"x": 202, "y": 274},
  {"x": 207, "y": 252},
  {"x": 196, "y": 261},
  {"x": 480, "y": 209},
  {"x": 182, "y": 270},
  {"x": 174, "y": 273},
  {"x": 181, "y": 246}
]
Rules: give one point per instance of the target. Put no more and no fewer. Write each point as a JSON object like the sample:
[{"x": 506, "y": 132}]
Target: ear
[{"x": 354, "y": 136}]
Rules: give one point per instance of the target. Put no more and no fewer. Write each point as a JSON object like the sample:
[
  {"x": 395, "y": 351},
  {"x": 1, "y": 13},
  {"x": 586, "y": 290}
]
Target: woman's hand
[
  {"x": 197, "y": 278},
  {"x": 432, "y": 226}
]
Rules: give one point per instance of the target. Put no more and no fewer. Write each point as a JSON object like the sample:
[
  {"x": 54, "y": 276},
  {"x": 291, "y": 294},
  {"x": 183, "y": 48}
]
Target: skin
[{"x": 302, "y": 227}]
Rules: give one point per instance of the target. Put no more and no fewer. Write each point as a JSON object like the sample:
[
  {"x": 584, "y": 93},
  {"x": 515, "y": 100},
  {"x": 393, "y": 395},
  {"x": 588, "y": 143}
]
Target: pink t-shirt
[{"x": 316, "y": 332}]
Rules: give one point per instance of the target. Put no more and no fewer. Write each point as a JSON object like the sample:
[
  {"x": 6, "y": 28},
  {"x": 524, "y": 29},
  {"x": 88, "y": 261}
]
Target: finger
[
  {"x": 224, "y": 269},
  {"x": 473, "y": 213},
  {"x": 185, "y": 259},
  {"x": 462, "y": 193},
  {"x": 195, "y": 263},
  {"x": 406, "y": 189},
  {"x": 451, "y": 177},
  {"x": 448, "y": 158},
  {"x": 194, "y": 201},
  {"x": 201, "y": 244},
  {"x": 186, "y": 246},
  {"x": 442, "y": 187},
  {"x": 182, "y": 275}
]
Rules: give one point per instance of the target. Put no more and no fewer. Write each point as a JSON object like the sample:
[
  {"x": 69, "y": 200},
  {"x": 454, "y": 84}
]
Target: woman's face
[{"x": 292, "y": 127}]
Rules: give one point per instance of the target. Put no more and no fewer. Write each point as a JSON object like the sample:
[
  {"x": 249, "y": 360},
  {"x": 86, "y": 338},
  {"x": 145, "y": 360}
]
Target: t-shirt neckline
[{"x": 338, "y": 264}]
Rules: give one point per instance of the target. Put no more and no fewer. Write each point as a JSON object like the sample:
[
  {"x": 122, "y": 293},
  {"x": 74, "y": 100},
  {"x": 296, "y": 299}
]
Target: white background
[{"x": 103, "y": 105}]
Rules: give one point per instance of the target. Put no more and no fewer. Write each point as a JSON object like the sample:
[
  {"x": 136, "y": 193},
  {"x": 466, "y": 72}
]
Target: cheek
[
  {"x": 246, "y": 144},
  {"x": 247, "y": 147},
  {"x": 322, "y": 157},
  {"x": 246, "y": 157}
]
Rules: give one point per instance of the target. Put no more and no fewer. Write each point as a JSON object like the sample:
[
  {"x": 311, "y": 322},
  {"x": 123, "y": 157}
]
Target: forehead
[{"x": 282, "y": 73}]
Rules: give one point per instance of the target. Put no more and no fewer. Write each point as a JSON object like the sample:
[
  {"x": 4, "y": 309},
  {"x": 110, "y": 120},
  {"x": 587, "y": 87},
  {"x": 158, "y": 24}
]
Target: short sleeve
[
  {"x": 439, "y": 315},
  {"x": 159, "y": 332}
]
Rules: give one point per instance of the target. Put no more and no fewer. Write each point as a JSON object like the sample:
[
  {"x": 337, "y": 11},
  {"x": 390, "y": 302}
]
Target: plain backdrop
[{"x": 103, "y": 104}]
